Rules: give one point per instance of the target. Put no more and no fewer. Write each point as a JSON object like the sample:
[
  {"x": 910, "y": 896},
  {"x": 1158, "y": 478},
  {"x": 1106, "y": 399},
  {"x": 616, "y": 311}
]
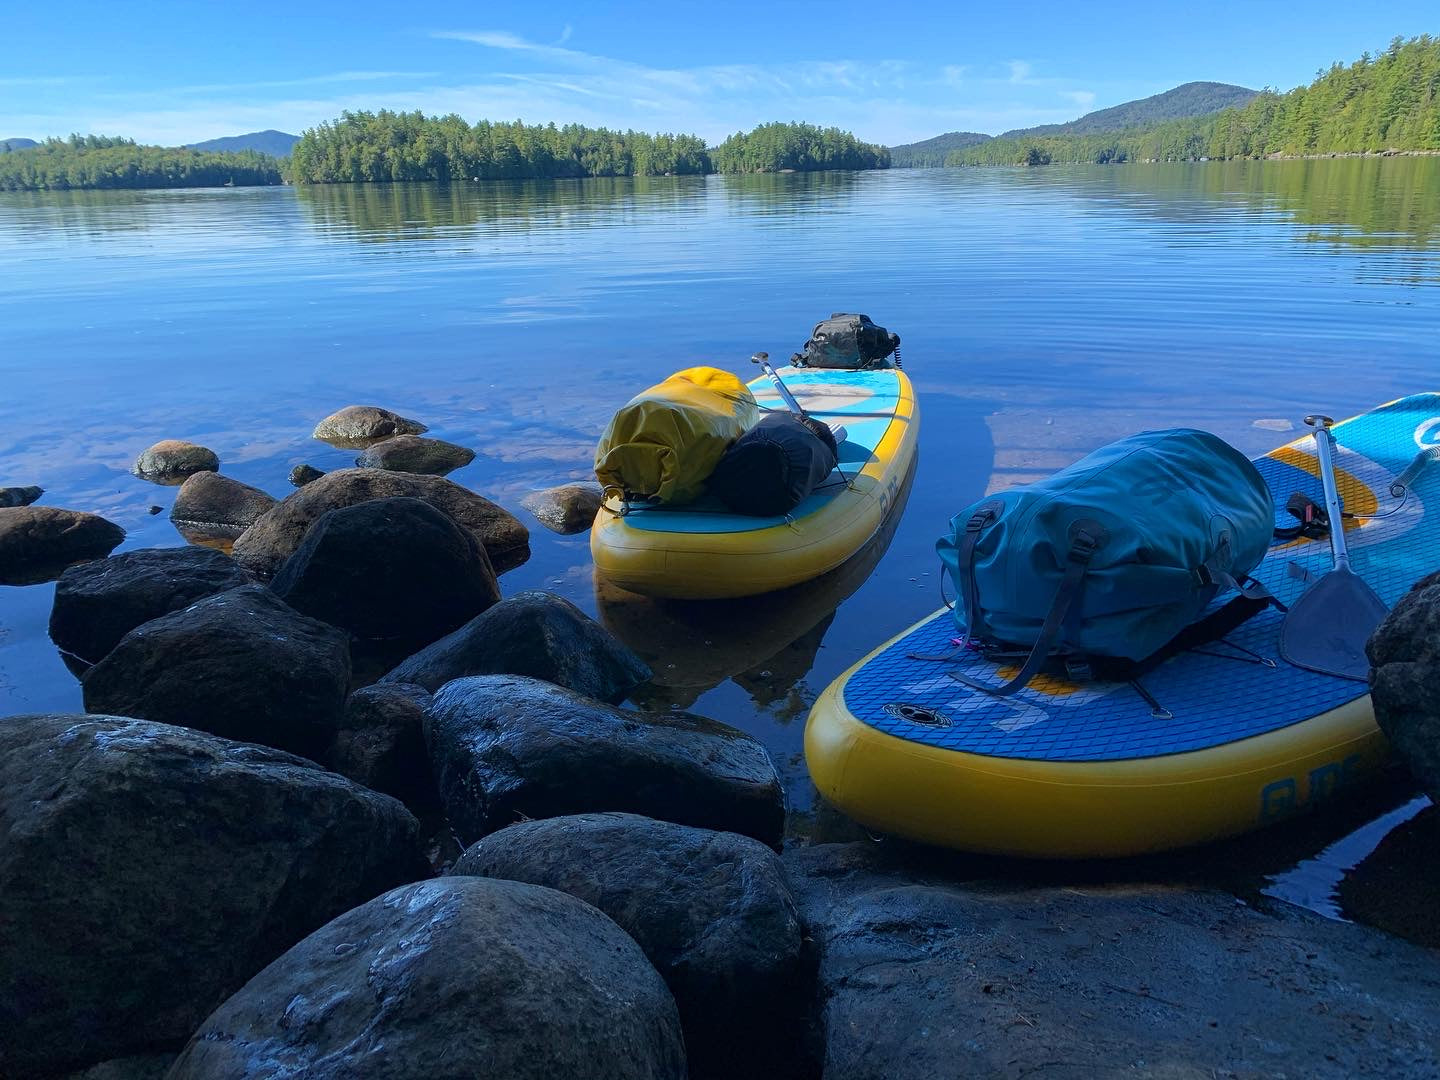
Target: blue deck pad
[
  {"x": 863, "y": 402},
  {"x": 1212, "y": 701}
]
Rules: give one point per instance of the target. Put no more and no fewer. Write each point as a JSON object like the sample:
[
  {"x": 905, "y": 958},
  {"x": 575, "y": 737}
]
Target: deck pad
[{"x": 1052, "y": 720}]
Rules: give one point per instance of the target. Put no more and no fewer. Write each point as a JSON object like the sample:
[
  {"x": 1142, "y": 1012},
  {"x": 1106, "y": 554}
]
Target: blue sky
[{"x": 892, "y": 72}]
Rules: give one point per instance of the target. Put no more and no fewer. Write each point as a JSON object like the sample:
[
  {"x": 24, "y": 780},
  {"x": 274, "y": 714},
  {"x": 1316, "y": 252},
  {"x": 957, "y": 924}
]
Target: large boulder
[
  {"x": 381, "y": 743},
  {"x": 505, "y": 747},
  {"x": 38, "y": 542},
  {"x": 712, "y": 910},
  {"x": 461, "y": 977},
  {"x": 393, "y": 570},
  {"x": 171, "y": 460},
  {"x": 274, "y": 538},
  {"x": 360, "y": 425},
  {"x": 147, "y": 871},
  {"x": 413, "y": 454},
  {"x": 1404, "y": 656},
  {"x": 210, "y": 506},
  {"x": 19, "y": 496},
  {"x": 240, "y": 664},
  {"x": 536, "y": 634},
  {"x": 569, "y": 508}
]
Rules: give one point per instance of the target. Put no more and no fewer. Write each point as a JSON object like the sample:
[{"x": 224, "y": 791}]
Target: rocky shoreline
[{"x": 339, "y": 806}]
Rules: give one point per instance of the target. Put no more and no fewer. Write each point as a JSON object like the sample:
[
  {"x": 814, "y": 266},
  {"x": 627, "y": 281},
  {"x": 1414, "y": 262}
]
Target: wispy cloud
[
  {"x": 1020, "y": 71},
  {"x": 311, "y": 80},
  {"x": 1082, "y": 98},
  {"x": 44, "y": 80}
]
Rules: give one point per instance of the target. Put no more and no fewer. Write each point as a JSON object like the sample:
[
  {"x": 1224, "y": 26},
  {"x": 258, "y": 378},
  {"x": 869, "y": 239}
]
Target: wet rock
[
  {"x": 272, "y": 539},
  {"x": 505, "y": 747},
  {"x": 412, "y": 454},
  {"x": 239, "y": 664},
  {"x": 98, "y": 603},
  {"x": 1396, "y": 888},
  {"x": 360, "y": 425},
  {"x": 38, "y": 542},
  {"x": 1404, "y": 655},
  {"x": 19, "y": 496},
  {"x": 381, "y": 743},
  {"x": 461, "y": 977},
  {"x": 172, "y": 460},
  {"x": 301, "y": 475},
  {"x": 569, "y": 508},
  {"x": 153, "y": 510},
  {"x": 712, "y": 910},
  {"x": 215, "y": 506},
  {"x": 535, "y": 634},
  {"x": 926, "y": 980},
  {"x": 147, "y": 871}
]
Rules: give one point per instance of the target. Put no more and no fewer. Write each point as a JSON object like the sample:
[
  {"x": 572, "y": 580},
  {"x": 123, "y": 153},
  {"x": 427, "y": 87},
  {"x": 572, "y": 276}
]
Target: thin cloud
[
  {"x": 1082, "y": 98},
  {"x": 1020, "y": 71}
]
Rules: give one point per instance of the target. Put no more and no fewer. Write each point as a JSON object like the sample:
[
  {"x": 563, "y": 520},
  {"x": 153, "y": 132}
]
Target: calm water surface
[{"x": 1043, "y": 312}]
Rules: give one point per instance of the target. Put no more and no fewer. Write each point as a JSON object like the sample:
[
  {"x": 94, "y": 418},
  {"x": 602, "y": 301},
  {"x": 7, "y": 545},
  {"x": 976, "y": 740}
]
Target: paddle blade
[{"x": 1326, "y": 629}]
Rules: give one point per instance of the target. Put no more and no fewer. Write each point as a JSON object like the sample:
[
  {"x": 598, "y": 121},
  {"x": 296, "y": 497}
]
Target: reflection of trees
[{"x": 788, "y": 193}]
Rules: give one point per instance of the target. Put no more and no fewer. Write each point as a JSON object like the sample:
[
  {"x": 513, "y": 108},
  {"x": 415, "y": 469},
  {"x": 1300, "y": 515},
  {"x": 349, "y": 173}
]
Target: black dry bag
[
  {"x": 772, "y": 467},
  {"x": 846, "y": 341}
]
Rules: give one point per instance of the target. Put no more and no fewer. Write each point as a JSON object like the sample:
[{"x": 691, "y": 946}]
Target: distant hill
[
  {"x": 1187, "y": 99},
  {"x": 275, "y": 143},
  {"x": 17, "y": 144},
  {"x": 930, "y": 153}
]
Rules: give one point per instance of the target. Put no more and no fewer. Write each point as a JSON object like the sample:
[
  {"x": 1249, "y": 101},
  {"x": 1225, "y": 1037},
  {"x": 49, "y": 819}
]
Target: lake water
[{"x": 1043, "y": 312}]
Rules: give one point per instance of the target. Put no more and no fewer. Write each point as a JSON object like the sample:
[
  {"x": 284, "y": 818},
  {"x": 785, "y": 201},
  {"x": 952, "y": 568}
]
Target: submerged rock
[
  {"x": 381, "y": 743},
  {"x": 712, "y": 910},
  {"x": 272, "y": 539},
  {"x": 1404, "y": 655},
  {"x": 19, "y": 496},
  {"x": 147, "y": 871},
  {"x": 504, "y": 748},
  {"x": 38, "y": 542},
  {"x": 461, "y": 977},
  {"x": 411, "y": 453},
  {"x": 569, "y": 508},
  {"x": 396, "y": 570},
  {"x": 212, "y": 506},
  {"x": 98, "y": 603},
  {"x": 359, "y": 425},
  {"x": 172, "y": 460},
  {"x": 535, "y": 634},
  {"x": 301, "y": 475},
  {"x": 240, "y": 664}
]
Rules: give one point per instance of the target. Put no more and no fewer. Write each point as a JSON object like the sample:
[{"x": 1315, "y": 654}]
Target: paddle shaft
[
  {"x": 1324, "y": 446},
  {"x": 763, "y": 359}
]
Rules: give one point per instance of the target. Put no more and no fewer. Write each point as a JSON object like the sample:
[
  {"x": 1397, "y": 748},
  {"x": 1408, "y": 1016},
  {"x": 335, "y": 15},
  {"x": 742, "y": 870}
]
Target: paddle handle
[
  {"x": 1324, "y": 446},
  {"x": 763, "y": 359}
]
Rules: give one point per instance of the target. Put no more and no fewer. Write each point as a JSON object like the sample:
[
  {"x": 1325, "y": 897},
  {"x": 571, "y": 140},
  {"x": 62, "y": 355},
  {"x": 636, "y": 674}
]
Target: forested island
[
  {"x": 99, "y": 161},
  {"x": 1378, "y": 104}
]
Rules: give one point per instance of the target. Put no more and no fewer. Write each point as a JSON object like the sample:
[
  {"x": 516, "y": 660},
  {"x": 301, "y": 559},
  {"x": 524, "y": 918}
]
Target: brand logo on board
[{"x": 1428, "y": 433}]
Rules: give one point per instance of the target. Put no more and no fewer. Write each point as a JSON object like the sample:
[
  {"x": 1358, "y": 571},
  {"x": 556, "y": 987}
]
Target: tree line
[
  {"x": 98, "y": 161},
  {"x": 801, "y": 147},
  {"x": 1385, "y": 102}
]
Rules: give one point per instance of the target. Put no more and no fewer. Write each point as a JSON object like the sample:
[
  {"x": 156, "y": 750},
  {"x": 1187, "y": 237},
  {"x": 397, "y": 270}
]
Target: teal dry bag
[{"x": 1112, "y": 557}]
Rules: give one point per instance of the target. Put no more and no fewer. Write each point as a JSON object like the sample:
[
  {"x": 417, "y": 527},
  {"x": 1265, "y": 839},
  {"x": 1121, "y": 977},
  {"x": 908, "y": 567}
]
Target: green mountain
[
  {"x": 275, "y": 143},
  {"x": 930, "y": 153},
  {"x": 1187, "y": 99},
  {"x": 17, "y": 144}
]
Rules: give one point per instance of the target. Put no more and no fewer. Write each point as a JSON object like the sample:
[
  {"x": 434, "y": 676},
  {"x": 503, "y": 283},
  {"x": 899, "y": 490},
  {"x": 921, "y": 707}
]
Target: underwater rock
[
  {"x": 356, "y": 426},
  {"x": 412, "y": 454},
  {"x": 147, "y": 871},
  {"x": 19, "y": 496},
  {"x": 212, "y": 506},
  {"x": 459, "y": 977},
  {"x": 37, "y": 543},
  {"x": 381, "y": 743},
  {"x": 172, "y": 460},
  {"x": 567, "y": 509},
  {"x": 301, "y": 475},
  {"x": 535, "y": 634},
  {"x": 240, "y": 664},
  {"x": 1404, "y": 653},
  {"x": 505, "y": 748}
]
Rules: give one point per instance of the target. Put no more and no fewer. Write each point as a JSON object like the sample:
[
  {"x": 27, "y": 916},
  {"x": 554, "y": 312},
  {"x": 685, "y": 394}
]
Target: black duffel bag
[
  {"x": 846, "y": 341},
  {"x": 770, "y": 469}
]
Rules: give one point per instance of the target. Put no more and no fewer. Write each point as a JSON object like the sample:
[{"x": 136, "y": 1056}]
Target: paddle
[
  {"x": 1326, "y": 629},
  {"x": 763, "y": 359}
]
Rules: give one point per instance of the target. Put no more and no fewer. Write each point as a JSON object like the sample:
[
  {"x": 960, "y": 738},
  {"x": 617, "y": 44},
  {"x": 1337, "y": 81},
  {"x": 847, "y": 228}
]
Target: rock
[
  {"x": 1396, "y": 888},
  {"x": 1404, "y": 655},
  {"x": 213, "y": 506},
  {"x": 136, "y": 1067},
  {"x": 412, "y": 454},
  {"x": 926, "y": 980},
  {"x": 153, "y": 510},
  {"x": 172, "y": 460},
  {"x": 461, "y": 977},
  {"x": 360, "y": 425},
  {"x": 504, "y": 747},
  {"x": 569, "y": 508},
  {"x": 381, "y": 743},
  {"x": 301, "y": 475},
  {"x": 38, "y": 542},
  {"x": 712, "y": 910},
  {"x": 396, "y": 570},
  {"x": 98, "y": 603},
  {"x": 272, "y": 539},
  {"x": 535, "y": 634},
  {"x": 147, "y": 871},
  {"x": 240, "y": 664},
  {"x": 19, "y": 496}
]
